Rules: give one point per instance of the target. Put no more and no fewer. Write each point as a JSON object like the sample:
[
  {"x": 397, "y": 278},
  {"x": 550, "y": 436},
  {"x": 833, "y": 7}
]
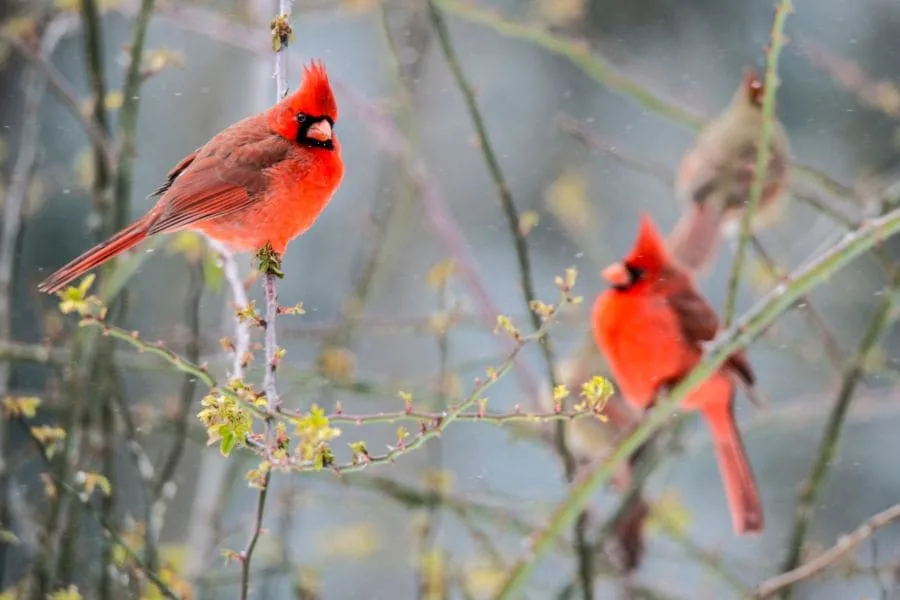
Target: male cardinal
[
  {"x": 262, "y": 180},
  {"x": 650, "y": 326},
  {"x": 715, "y": 176}
]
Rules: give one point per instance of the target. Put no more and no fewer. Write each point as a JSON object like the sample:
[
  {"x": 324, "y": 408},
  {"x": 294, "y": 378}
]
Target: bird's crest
[
  {"x": 314, "y": 96},
  {"x": 649, "y": 251},
  {"x": 754, "y": 87}
]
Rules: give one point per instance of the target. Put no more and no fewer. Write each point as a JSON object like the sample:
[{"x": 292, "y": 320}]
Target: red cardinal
[
  {"x": 716, "y": 175},
  {"x": 650, "y": 326},
  {"x": 264, "y": 179}
]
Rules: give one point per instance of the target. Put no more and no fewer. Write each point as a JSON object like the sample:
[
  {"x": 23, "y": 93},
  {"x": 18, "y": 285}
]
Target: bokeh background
[{"x": 587, "y": 138}]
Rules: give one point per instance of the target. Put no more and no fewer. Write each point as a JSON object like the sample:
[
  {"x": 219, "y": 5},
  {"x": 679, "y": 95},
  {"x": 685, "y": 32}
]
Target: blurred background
[{"x": 588, "y": 106}]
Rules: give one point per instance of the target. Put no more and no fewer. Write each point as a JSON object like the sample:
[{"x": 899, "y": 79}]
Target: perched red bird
[
  {"x": 716, "y": 174},
  {"x": 650, "y": 326},
  {"x": 262, "y": 180}
]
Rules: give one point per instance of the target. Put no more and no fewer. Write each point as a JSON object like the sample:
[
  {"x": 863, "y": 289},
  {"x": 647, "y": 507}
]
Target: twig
[
  {"x": 63, "y": 90},
  {"x": 763, "y": 151},
  {"x": 497, "y": 419},
  {"x": 805, "y": 306},
  {"x": 128, "y": 117},
  {"x": 736, "y": 337},
  {"x": 853, "y": 373},
  {"x": 570, "y": 126},
  {"x": 845, "y": 544},
  {"x": 434, "y": 457},
  {"x": 438, "y": 216},
  {"x": 270, "y": 265},
  {"x": 428, "y": 431},
  {"x": 247, "y": 553},
  {"x": 161, "y": 585},
  {"x": 34, "y": 85},
  {"x": 90, "y": 18},
  {"x": 608, "y": 75},
  {"x": 164, "y": 487},
  {"x": 212, "y": 467},
  {"x": 391, "y": 211},
  {"x": 170, "y": 463},
  {"x": 524, "y": 266}
]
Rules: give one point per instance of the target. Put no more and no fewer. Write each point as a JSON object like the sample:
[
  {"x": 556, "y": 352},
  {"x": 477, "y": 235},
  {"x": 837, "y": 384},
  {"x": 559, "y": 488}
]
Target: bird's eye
[
  {"x": 301, "y": 118},
  {"x": 635, "y": 272}
]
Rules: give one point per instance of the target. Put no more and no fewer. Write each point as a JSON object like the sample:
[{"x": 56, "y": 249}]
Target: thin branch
[
  {"x": 805, "y": 306},
  {"x": 438, "y": 217},
  {"x": 611, "y": 77},
  {"x": 738, "y": 336},
  {"x": 763, "y": 152},
  {"x": 525, "y": 275},
  {"x": 188, "y": 387},
  {"x": 853, "y": 374},
  {"x": 161, "y": 585},
  {"x": 516, "y": 416},
  {"x": 213, "y": 469},
  {"x": 63, "y": 90},
  {"x": 845, "y": 544},
  {"x": 281, "y": 35},
  {"x": 128, "y": 117},
  {"x": 34, "y": 85}
]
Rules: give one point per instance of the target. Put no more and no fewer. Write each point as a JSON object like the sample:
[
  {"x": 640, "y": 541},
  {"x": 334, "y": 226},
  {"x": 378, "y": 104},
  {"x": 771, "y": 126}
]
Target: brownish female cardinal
[
  {"x": 650, "y": 325},
  {"x": 262, "y": 180},
  {"x": 716, "y": 174}
]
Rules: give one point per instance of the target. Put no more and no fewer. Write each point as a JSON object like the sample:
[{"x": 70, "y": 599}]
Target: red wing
[
  {"x": 739, "y": 364},
  {"x": 226, "y": 176},
  {"x": 697, "y": 318},
  {"x": 700, "y": 324},
  {"x": 183, "y": 164}
]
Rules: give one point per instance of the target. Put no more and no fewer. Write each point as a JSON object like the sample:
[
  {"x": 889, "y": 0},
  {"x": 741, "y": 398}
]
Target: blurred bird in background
[{"x": 715, "y": 176}]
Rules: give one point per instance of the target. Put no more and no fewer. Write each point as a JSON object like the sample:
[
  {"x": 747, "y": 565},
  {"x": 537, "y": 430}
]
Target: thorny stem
[
  {"x": 812, "y": 486},
  {"x": 524, "y": 261},
  {"x": 738, "y": 336},
  {"x": 763, "y": 152}
]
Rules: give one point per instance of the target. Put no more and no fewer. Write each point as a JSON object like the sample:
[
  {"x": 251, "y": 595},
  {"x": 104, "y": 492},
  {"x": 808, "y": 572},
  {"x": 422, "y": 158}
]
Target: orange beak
[
  {"x": 617, "y": 275},
  {"x": 320, "y": 131}
]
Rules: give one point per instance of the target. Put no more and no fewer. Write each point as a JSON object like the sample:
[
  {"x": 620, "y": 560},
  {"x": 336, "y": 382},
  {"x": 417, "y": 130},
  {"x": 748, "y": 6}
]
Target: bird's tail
[
  {"x": 696, "y": 237},
  {"x": 124, "y": 240},
  {"x": 737, "y": 477}
]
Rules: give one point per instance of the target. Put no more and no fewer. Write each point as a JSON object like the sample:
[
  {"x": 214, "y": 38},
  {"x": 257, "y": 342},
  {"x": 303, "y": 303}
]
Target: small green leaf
[{"x": 228, "y": 442}]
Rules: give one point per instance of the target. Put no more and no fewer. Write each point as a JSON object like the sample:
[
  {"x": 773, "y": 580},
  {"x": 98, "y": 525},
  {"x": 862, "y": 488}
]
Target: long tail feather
[
  {"x": 124, "y": 240},
  {"x": 737, "y": 476}
]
